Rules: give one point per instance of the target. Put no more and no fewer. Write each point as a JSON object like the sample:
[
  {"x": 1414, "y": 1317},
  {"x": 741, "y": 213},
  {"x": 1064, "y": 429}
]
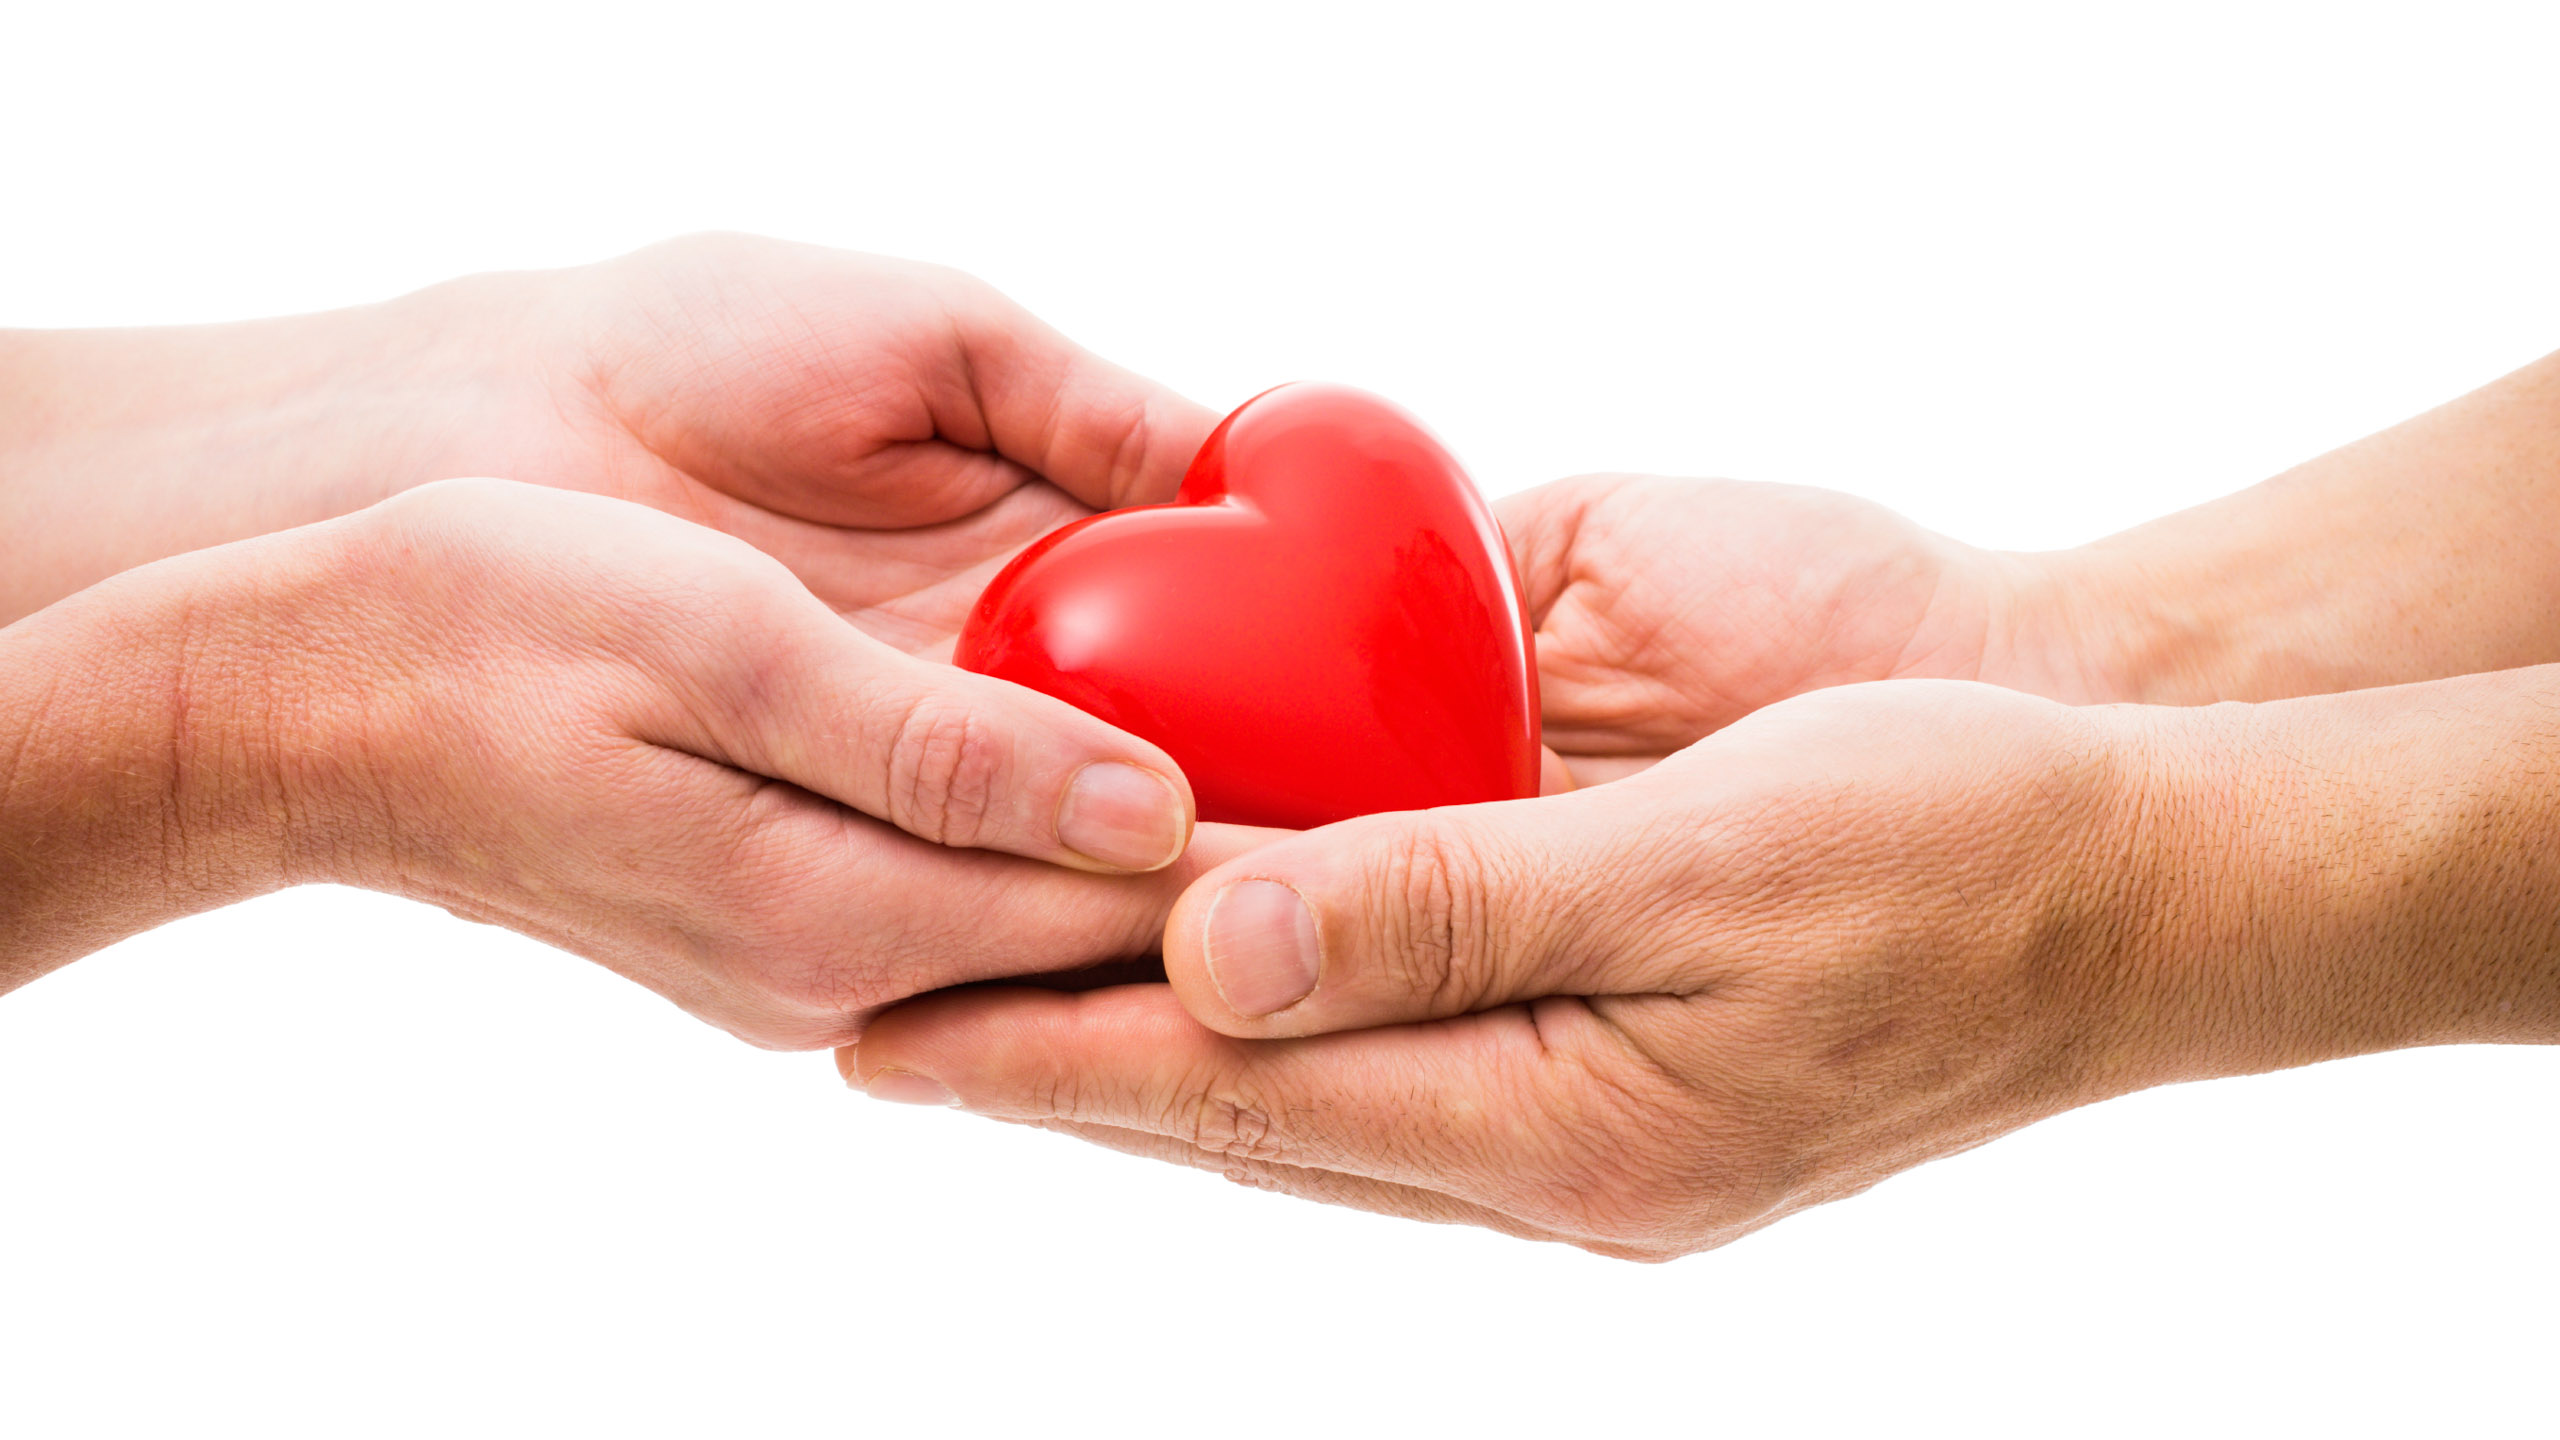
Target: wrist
[
  {"x": 141, "y": 782},
  {"x": 2343, "y": 874},
  {"x": 121, "y": 447},
  {"x": 2146, "y": 624},
  {"x": 2170, "y": 619},
  {"x": 2059, "y": 628}
]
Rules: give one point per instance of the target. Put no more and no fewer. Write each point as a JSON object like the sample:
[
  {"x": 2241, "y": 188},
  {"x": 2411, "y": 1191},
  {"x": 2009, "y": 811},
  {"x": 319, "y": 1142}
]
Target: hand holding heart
[
  {"x": 1801, "y": 943},
  {"x": 632, "y": 736},
  {"x": 1644, "y": 1018},
  {"x": 1649, "y": 1016}
]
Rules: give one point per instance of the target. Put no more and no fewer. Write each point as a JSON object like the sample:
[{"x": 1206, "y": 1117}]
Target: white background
[{"x": 334, "y": 1164}]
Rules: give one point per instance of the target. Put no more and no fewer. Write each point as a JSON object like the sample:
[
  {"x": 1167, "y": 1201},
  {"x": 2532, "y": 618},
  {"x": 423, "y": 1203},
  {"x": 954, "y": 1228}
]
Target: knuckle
[
  {"x": 1220, "y": 1122},
  {"x": 1038, "y": 1096},
  {"x": 1125, "y": 437},
  {"x": 1432, "y": 896},
  {"x": 945, "y": 769},
  {"x": 1056, "y": 1096}
]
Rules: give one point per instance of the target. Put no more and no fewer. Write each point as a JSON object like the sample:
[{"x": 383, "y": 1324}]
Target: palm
[
  {"x": 909, "y": 587},
  {"x": 891, "y": 432},
  {"x": 1667, "y": 609}
]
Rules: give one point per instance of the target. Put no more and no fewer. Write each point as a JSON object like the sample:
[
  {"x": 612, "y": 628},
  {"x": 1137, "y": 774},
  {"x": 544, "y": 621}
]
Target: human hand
[
  {"x": 891, "y": 431},
  {"x": 1855, "y": 931},
  {"x": 632, "y": 737},
  {"x": 1849, "y": 933},
  {"x": 1667, "y": 609}
]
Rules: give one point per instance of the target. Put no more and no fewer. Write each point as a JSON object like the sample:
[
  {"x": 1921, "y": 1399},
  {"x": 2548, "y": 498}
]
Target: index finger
[{"x": 1105, "y": 435}]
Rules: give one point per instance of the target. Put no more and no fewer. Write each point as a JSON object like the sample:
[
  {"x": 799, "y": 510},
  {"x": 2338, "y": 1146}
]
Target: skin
[
  {"x": 1845, "y": 885},
  {"x": 677, "y": 722},
  {"x": 1875, "y": 859},
  {"x": 888, "y": 430}
]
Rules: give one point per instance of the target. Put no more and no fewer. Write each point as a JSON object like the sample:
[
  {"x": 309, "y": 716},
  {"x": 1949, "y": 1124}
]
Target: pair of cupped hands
[{"x": 675, "y": 695}]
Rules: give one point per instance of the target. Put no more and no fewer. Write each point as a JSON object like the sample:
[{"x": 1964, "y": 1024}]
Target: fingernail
[
  {"x": 905, "y": 1087},
  {"x": 1122, "y": 815},
  {"x": 1261, "y": 940}
]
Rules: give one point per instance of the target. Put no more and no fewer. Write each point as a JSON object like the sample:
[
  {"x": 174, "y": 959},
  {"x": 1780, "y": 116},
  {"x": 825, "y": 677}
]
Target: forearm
[
  {"x": 2429, "y": 550},
  {"x": 136, "y": 770},
  {"x": 120, "y": 447},
  {"x": 2351, "y": 873}
]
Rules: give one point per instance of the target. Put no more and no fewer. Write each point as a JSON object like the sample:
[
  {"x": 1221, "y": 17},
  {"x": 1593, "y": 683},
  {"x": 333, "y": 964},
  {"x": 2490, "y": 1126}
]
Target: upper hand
[
  {"x": 1667, "y": 609},
  {"x": 891, "y": 431}
]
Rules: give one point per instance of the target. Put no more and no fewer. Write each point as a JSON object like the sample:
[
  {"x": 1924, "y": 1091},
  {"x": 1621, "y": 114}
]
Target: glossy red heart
[{"x": 1324, "y": 623}]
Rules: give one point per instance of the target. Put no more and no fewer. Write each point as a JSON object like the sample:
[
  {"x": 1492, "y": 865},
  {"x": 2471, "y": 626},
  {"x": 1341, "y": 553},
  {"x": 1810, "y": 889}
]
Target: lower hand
[
  {"x": 1852, "y": 932},
  {"x": 1855, "y": 931}
]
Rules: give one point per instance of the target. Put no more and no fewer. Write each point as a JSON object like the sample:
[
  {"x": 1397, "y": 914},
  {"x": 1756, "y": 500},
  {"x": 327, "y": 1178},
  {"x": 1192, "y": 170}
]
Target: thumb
[{"x": 1418, "y": 916}]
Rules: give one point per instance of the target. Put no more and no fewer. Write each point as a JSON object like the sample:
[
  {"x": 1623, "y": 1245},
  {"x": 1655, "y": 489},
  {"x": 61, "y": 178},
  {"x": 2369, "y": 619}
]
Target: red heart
[{"x": 1324, "y": 622}]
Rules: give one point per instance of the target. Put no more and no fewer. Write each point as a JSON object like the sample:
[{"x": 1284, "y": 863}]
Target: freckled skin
[{"x": 1864, "y": 872}]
